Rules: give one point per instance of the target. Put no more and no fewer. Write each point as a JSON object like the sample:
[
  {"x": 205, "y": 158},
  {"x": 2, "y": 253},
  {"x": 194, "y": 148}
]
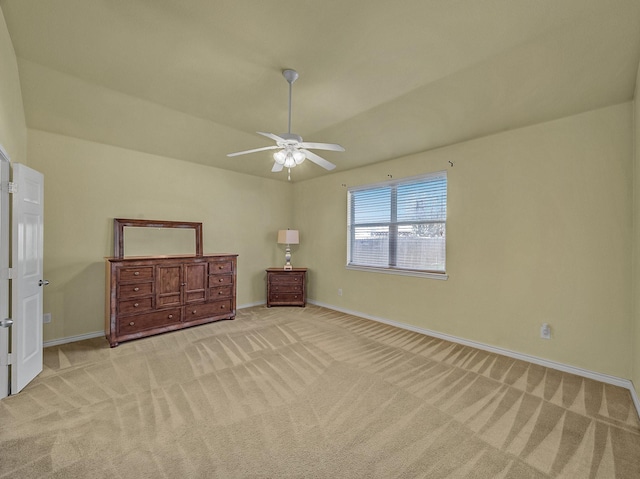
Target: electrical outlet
[
  {"x": 545, "y": 331},
  {"x": 339, "y": 291},
  {"x": 46, "y": 318}
]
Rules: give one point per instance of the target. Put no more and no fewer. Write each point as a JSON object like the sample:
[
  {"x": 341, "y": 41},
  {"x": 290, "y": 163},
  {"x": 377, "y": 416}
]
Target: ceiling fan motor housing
[{"x": 291, "y": 138}]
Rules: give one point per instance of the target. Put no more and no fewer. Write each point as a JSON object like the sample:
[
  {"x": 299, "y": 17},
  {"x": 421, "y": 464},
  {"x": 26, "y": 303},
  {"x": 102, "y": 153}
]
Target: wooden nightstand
[{"x": 286, "y": 288}]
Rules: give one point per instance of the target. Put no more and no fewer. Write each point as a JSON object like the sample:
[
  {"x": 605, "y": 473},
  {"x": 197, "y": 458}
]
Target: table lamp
[{"x": 288, "y": 237}]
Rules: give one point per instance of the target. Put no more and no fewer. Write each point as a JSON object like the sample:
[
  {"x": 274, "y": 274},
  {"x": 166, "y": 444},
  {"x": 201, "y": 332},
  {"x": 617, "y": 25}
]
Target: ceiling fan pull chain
[{"x": 289, "y": 174}]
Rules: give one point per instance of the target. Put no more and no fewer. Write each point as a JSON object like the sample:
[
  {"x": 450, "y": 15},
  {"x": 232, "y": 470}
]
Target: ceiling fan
[{"x": 291, "y": 149}]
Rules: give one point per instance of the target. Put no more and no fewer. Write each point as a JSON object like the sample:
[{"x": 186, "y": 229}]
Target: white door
[
  {"x": 27, "y": 281},
  {"x": 5, "y": 322}
]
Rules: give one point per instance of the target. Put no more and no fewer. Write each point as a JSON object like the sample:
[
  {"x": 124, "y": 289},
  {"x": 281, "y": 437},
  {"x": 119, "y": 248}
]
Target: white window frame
[{"x": 392, "y": 226}]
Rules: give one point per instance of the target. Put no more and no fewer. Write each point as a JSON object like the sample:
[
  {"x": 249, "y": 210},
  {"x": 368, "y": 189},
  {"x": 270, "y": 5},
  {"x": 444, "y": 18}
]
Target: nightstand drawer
[
  {"x": 284, "y": 277},
  {"x": 286, "y": 288},
  {"x": 285, "y": 298}
]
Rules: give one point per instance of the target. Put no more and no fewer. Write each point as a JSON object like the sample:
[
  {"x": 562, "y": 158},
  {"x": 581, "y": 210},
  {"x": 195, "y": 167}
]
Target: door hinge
[
  {"x": 9, "y": 273},
  {"x": 7, "y": 360},
  {"x": 12, "y": 187},
  {"x": 5, "y": 273}
]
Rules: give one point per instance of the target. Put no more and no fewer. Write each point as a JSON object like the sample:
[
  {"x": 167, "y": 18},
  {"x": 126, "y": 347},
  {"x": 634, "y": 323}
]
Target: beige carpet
[{"x": 310, "y": 393}]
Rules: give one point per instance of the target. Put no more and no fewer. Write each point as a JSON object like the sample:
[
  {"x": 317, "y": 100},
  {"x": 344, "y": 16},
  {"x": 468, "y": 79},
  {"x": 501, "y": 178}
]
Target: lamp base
[{"x": 287, "y": 258}]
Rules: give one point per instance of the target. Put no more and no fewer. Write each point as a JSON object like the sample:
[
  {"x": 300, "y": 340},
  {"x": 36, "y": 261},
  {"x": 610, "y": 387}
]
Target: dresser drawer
[
  {"x": 220, "y": 293},
  {"x": 199, "y": 311},
  {"x": 134, "y": 290},
  {"x": 220, "y": 280},
  {"x": 137, "y": 305},
  {"x": 275, "y": 278},
  {"x": 219, "y": 267},
  {"x": 143, "y": 322},
  {"x": 142, "y": 273}
]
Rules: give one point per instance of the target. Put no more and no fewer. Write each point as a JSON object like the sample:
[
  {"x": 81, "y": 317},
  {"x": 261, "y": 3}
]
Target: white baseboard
[
  {"x": 604, "y": 378},
  {"x": 73, "y": 339},
  {"x": 251, "y": 305}
]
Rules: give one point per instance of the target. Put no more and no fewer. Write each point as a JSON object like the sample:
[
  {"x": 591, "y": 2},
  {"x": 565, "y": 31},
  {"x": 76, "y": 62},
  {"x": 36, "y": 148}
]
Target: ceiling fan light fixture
[
  {"x": 298, "y": 156},
  {"x": 290, "y": 162},
  {"x": 280, "y": 156}
]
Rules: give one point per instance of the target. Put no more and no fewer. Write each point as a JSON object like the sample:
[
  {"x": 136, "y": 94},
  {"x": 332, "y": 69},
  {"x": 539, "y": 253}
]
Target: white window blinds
[{"x": 399, "y": 225}]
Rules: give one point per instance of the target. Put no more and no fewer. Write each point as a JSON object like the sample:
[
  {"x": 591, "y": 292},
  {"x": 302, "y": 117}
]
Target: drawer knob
[
  {"x": 222, "y": 306},
  {"x": 220, "y": 280},
  {"x": 136, "y": 305},
  {"x": 137, "y": 273},
  {"x": 171, "y": 316},
  {"x": 220, "y": 292},
  {"x": 220, "y": 267},
  {"x": 194, "y": 311},
  {"x": 136, "y": 289},
  {"x": 132, "y": 323}
]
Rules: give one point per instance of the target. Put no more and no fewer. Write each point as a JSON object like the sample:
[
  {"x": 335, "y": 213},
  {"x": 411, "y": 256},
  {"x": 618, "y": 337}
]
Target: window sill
[{"x": 399, "y": 272}]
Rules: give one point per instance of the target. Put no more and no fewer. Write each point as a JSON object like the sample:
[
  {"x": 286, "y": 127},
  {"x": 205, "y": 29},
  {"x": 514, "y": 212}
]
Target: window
[{"x": 399, "y": 226}]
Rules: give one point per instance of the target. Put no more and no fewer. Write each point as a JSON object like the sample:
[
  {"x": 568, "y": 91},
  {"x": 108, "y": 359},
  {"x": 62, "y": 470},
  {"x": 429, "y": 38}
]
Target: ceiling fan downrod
[{"x": 291, "y": 76}]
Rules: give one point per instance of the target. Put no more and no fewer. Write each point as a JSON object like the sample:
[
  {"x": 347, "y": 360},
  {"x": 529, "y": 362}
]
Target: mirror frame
[{"x": 120, "y": 223}]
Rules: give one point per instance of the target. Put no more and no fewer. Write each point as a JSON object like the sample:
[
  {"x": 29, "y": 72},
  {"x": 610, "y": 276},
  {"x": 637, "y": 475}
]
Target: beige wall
[
  {"x": 538, "y": 230},
  {"x": 13, "y": 130},
  {"x": 88, "y": 184}
]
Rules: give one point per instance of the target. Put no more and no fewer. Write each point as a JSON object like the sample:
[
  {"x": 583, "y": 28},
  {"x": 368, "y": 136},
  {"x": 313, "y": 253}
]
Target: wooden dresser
[
  {"x": 286, "y": 287},
  {"x": 152, "y": 295}
]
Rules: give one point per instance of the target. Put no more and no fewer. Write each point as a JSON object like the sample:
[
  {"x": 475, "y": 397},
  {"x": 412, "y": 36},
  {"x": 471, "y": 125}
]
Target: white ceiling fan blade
[
  {"x": 321, "y": 146},
  {"x": 253, "y": 151},
  {"x": 318, "y": 160},
  {"x": 271, "y": 135},
  {"x": 277, "y": 167}
]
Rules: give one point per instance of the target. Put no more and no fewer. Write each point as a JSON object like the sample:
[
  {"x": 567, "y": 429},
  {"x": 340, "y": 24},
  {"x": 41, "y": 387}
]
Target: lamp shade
[{"x": 288, "y": 237}]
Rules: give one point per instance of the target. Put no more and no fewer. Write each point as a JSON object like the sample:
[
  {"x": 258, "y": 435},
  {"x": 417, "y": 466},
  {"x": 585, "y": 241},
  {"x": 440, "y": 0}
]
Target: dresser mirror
[{"x": 134, "y": 237}]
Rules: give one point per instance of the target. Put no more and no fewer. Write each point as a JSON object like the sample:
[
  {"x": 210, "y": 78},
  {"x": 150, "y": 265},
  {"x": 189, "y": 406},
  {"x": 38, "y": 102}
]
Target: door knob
[
  {"x": 5, "y": 323},
  {"x": 43, "y": 282}
]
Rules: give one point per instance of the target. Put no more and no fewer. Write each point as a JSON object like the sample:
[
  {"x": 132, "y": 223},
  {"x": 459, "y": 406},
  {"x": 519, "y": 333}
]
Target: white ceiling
[{"x": 195, "y": 79}]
